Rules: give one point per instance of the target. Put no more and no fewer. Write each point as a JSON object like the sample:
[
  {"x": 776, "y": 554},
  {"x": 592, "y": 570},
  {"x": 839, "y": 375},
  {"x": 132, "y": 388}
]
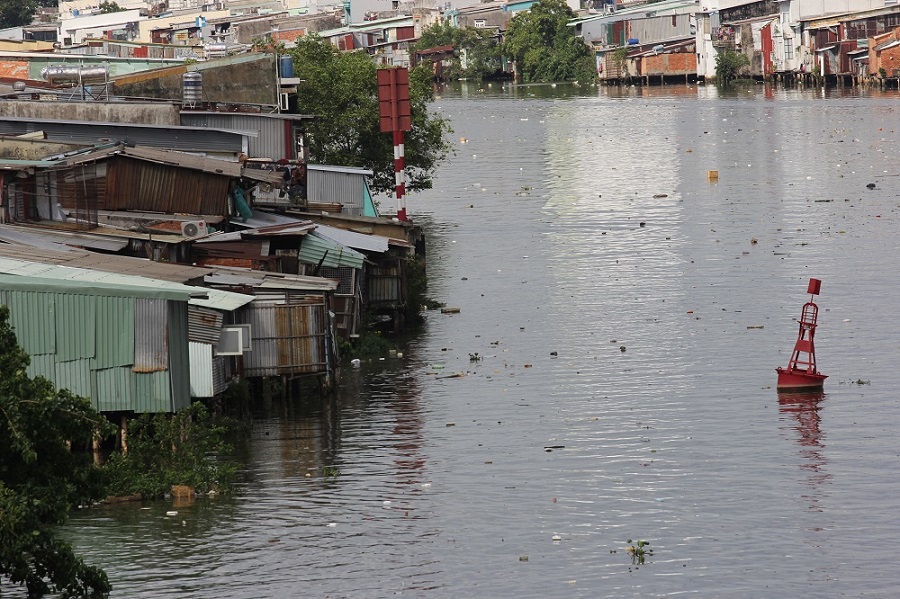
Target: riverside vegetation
[{"x": 46, "y": 469}]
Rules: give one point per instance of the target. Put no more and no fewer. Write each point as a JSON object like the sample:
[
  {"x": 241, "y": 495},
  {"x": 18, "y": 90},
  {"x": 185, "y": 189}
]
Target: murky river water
[{"x": 629, "y": 315}]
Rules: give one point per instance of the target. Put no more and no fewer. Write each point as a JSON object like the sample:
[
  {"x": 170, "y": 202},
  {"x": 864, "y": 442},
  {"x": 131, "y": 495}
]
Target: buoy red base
[{"x": 799, "y": 380}]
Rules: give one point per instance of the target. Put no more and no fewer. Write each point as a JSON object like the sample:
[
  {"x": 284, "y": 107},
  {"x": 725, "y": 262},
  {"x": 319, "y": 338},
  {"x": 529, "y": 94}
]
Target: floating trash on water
[
  {"x": 171, "y": 513},
  {"x": 556, "y": 538},
  {"x": 331, "y": 524},
  {"x": 355, "y": 362},
  {"x": 523, "y": 558}
]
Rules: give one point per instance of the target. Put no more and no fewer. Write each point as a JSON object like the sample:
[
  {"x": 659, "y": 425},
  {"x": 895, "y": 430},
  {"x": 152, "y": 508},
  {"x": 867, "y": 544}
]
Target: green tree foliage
[
  {"x": 479, "y": 46},
  {"x": 107, "y": 7},
  {"x": 41, "y": 478},
  {"x": 729, "y": 65},
  {"x": 544, "y": 48},
  {"x": 171, "y": 449},
  {"x": 341, "y": 89},
  {"x": 15, "y": 13}
]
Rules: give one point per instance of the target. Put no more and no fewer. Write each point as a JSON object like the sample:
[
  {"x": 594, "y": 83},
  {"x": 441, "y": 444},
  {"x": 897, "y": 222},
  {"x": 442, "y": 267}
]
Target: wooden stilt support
[{"x": 123, "y": 434}]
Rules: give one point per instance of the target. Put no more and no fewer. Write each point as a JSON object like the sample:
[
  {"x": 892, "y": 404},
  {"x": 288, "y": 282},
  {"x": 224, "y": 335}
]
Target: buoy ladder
[{"x": 804, "y": 356}]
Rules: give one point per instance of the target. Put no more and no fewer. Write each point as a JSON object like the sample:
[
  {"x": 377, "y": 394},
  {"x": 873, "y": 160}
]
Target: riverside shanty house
[
  {"x": 369, "y": 269},
  {"x": 143, "y": 201},
  {"x": 274, "y": 325},
  {"x": 117, "y": 342},
  {"x": 123, "y": 346}
]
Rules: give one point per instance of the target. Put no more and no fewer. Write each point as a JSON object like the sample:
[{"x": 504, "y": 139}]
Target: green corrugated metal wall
[
  {"x": 40, "y": 332},
  {"x": 114, "y": 389},
  {"x": 85, "y": 343},
  {"x": 76, "y": 327},
  {"x": 75, "y": 375},
  {"x": 42, "y": 365},
  {"x": 179, "y": 355},
  {"x": 151, "y": 392},
  {"x": 115, "y": 332}
]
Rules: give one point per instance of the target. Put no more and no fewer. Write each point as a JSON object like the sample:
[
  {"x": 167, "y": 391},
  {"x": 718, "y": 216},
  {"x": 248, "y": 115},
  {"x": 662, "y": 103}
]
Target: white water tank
[{"x": 192, "y": 88}]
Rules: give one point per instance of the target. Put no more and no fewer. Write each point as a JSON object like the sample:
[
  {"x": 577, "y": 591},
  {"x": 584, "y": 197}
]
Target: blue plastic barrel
[{"x": 286, "y": 66}]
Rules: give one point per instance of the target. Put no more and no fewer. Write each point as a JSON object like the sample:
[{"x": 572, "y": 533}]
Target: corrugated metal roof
[
  {"x": 171, "y": 158},
  {"x": 7, "y": 164},
  {"x": 126, "y": 265},
  {"x": 220, "y": 300},
  {"x": 270, "y": 280},
  {"x": 50, "y": 285},
  {"x": 624, "y": 14},
  {"x": 281, "y": 116},
  {"x": 300, "y": 228},
  {"x": 886, "y": 45},
  {"x": 295, "y": 227},
  {"x": 12, "y": 237},
  {"x": 256, "y": 174},
  {"x": 267, "y": 219},
  {"x": 351, "y": 239},
  {"x": 330, "y": 168},
  {"x": 315, "y": 249},
  {"x": 158, "y": 136},
  {"x": 51, "y": 239}
]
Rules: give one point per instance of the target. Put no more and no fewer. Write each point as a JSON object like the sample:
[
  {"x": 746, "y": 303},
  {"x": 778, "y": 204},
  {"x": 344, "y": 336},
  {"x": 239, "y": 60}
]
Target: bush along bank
[{"x": 186, "y": 451}]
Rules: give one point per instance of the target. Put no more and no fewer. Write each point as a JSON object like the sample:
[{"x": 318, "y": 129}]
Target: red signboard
[{"x": 393, "y": 100}]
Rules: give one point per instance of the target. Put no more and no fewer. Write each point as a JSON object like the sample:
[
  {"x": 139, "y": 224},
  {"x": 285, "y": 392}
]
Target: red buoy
[{"x": 801, "y": 373}]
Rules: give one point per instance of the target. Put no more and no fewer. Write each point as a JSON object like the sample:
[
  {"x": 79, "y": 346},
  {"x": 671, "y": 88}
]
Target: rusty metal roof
[
  {"x": 214, "y": 166},
  {"x": 258, "y": 279},
  {"x": 177, "y": 159},
  {"x": 176, "y": 273},
  {"x": 48, "y": 238}
]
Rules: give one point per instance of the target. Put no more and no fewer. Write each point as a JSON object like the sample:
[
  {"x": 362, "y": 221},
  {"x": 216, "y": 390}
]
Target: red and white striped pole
[{"x": 399, "y": 182}]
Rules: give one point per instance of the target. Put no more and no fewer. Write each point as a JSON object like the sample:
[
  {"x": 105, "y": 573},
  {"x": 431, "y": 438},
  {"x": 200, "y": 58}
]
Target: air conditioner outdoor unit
[
  {"x": 234, "y": 340},
  {"x": 193, "y": 228}
]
